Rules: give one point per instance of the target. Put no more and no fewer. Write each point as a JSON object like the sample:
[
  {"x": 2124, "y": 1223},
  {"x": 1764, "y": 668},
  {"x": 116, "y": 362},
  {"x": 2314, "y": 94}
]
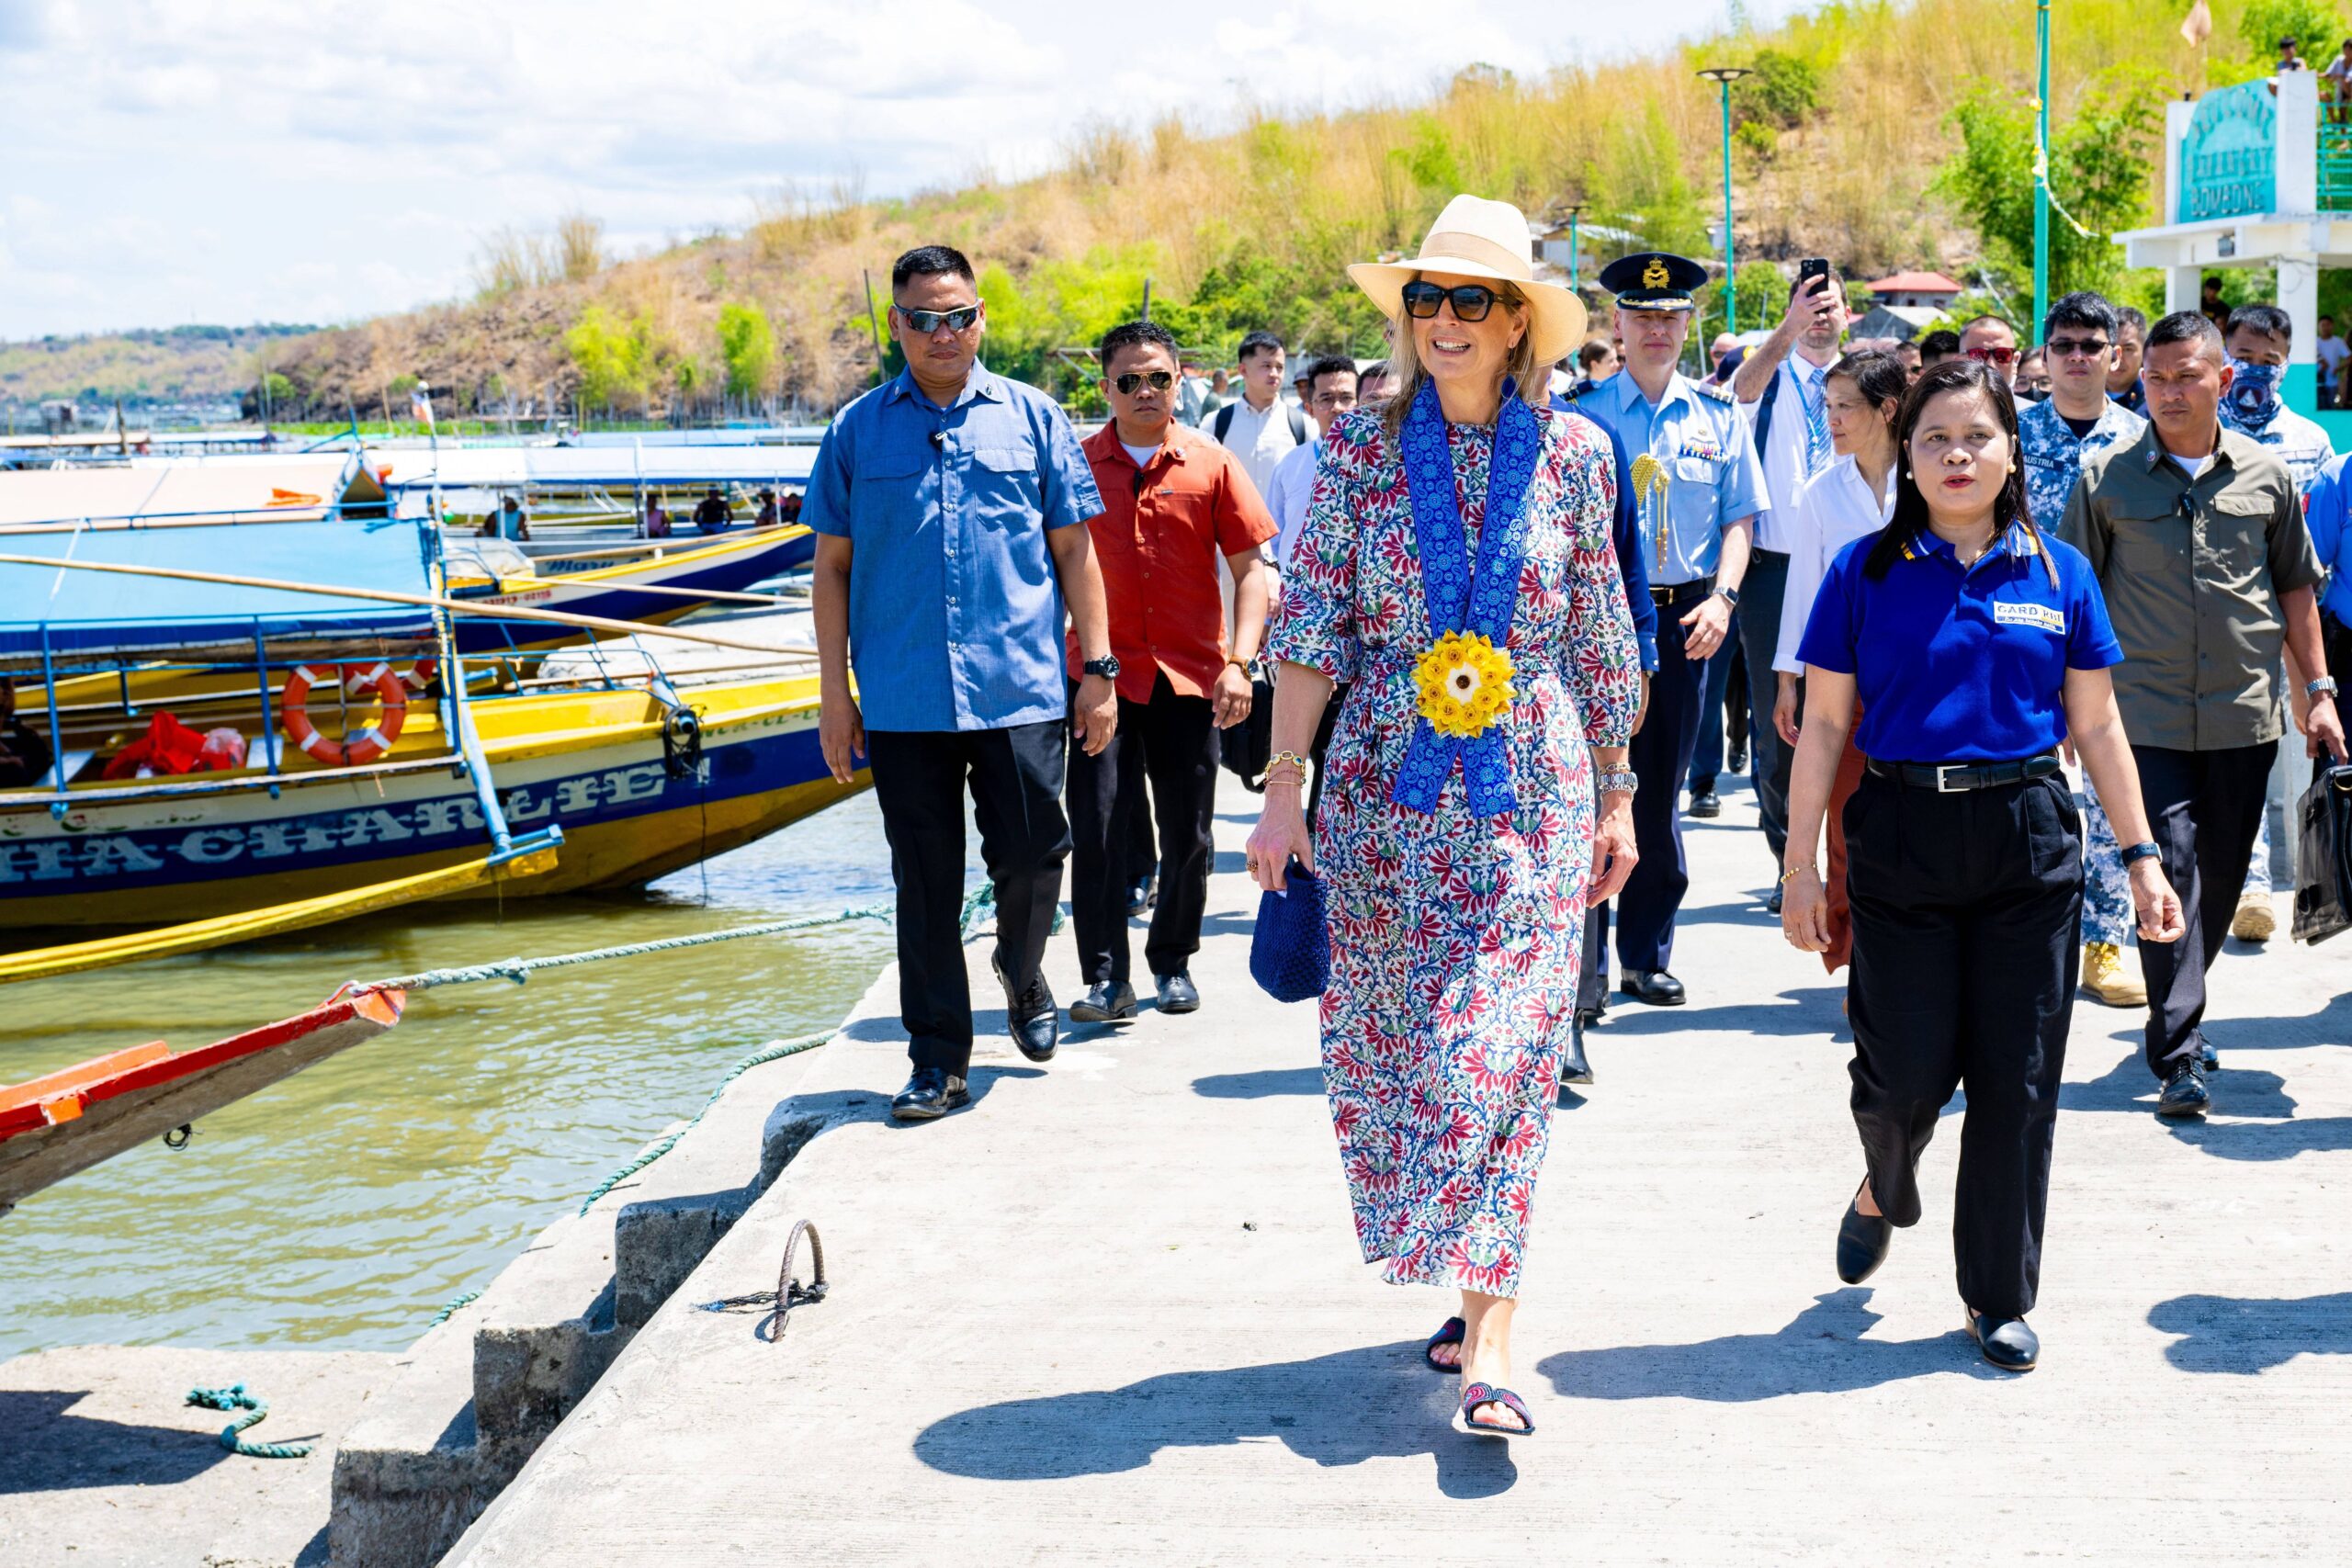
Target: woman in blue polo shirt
[{"x": 1975, "y": 646}]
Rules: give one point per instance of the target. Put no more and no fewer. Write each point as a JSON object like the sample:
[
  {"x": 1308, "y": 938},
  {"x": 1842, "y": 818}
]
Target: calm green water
[{"x": 340, "y": 1209}]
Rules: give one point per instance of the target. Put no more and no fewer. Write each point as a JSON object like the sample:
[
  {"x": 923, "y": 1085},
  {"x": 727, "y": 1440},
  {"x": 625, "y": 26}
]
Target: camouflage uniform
[{"x": 2053, "y": 457}]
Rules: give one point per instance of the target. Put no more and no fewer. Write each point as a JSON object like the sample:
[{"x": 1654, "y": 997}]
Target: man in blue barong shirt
[{"x": 950, "y": 507}]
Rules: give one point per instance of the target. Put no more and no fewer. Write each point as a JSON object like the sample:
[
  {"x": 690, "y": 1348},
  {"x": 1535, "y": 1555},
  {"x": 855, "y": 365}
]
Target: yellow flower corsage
[{"x": 1464, "y": 683}]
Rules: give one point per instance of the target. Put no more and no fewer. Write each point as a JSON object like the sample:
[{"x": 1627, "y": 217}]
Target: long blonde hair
[{"x": 1404, "y": 358}]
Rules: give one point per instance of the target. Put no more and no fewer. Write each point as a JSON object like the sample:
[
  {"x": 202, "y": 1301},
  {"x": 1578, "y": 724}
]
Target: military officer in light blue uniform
[
  {"x": 2080, "y": 337},
  {"x": 1699, "y": 487}
]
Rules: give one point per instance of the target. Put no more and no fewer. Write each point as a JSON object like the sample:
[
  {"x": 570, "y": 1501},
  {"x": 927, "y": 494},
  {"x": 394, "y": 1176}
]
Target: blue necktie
[{"x": 1817, "y": 449}]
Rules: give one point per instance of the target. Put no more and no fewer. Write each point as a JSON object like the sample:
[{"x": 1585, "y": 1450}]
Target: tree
[
  {"x": 2315, "y": 24},
  {"x": 747, "y": 348},
  {"x": 2099, "y": 158},
  {"x": 1784, "y": 90}
]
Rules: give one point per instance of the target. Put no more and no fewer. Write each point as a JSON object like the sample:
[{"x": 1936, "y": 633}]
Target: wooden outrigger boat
[
  {"x": 64, "y": 1123},
  {"x": 429, "y": 791}
]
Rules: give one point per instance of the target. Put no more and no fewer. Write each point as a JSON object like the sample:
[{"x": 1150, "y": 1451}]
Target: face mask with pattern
[{"x": 2252, "y": 396}]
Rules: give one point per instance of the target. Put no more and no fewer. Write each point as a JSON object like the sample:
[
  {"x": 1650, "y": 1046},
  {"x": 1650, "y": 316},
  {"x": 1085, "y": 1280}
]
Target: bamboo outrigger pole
[{"x": 422, "y": 601}]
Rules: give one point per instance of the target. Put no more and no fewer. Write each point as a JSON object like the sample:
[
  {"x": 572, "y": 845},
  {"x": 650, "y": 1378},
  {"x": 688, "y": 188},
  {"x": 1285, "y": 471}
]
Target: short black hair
[
  {"x": 1258, "y": 342},
  {"x": 2080, "y": 309},
  {"x": 1371, "y": 372},
  {"x": 2268, "y": 319},
  {"x": 2132, "y": 317},
  {"x": 2186, "y": 326},
  {"x": 1594, "y": 351},
  {"x": 1942, "y": 342},
  {"x": 1331, "y": 365},
  {"x": 1134, "y": 335},
  {"x": 928, "y": 261}
]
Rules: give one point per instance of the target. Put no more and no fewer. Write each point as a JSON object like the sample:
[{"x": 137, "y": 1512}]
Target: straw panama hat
[{"x": 1477, "y": 238}]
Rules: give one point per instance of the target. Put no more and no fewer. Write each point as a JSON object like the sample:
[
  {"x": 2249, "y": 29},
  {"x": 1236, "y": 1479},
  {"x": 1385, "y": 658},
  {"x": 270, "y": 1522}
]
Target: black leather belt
[
  {"x": 1697, "y": 588},
  {"x": 1951, "y": 778}
]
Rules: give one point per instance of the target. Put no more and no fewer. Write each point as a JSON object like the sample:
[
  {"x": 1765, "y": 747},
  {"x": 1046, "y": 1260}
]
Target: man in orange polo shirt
[{"x": 1174, "y": 501}]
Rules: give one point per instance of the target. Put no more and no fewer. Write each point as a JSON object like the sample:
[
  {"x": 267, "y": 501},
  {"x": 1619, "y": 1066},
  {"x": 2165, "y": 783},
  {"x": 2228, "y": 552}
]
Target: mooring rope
[
  {"x": 668, "y": 1141},
  {"x": 235, "y": 1397}
]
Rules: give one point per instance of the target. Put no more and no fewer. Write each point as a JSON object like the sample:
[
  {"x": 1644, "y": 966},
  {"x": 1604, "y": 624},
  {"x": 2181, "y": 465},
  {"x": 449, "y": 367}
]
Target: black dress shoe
[
  {"x": 2207, "y": 1057},
  {"x": 1178, "y": 993},
  {"x": 1735, "y": 759},
  {"x": 1863, "y": 1242},
  {"x": 1574, "y": 1068},
  {"x": 1654, "y": 987},
  {"x": 2006, "y": 1342},
  {"x": 1034, "y": 1023},
  {"x": 1706, "y": 803},
  {"x": 1773, "y": 904},
  {"x": 932, "y": 1093},
  {"x": 2184, "y": 1093},
  {"x": 1142, "y": 895},
  {"x": 1107, "y": 1001}
]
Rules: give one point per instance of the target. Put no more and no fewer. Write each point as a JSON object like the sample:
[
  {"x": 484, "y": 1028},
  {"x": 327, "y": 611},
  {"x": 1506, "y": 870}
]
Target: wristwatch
[
  {"x": 1615, "y": 780},
  {"x": 1107, "y": 667},
  {"x": 2144, "y": 850},
  {"x": 1732, "y": 594},
  {"x": 2323, "y": 687}
]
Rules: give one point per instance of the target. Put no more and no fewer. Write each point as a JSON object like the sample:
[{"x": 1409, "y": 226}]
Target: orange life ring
[{"x": 354, "y": 749}]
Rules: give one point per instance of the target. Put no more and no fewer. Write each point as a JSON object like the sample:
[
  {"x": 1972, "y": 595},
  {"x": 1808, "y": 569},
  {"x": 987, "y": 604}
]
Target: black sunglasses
[
  {"x": 930, "y": 321},
  {"x": 1471, "y": 300},
  {"x": 2068, "y": 348},
  {"x": 1158, "y": 380}
]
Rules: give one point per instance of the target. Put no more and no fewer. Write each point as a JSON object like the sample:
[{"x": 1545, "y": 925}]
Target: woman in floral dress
[{"x": 1493, "y": 676}]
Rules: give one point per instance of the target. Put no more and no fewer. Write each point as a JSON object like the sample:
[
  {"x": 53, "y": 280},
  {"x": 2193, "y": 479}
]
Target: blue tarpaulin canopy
[{"x": 90, "y": 612}]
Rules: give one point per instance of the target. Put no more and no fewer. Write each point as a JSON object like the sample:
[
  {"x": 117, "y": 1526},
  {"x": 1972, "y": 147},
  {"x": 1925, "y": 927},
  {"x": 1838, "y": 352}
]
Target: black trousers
[
  {"x": 1179, "y": 755},
  {"x": 2204, "y": 809},
  {"x": 1967, "y": 911},
  {"x": 1015, "y": 778},
  {"x": 1760, "y": 641},
  {"x": 1661, "y": 759}
]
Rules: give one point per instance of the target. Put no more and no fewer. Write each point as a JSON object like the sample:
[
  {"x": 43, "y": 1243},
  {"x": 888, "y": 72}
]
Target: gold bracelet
[
  {"x": 1279, "y": 758},
  {"x": 1791, "y": 872}
]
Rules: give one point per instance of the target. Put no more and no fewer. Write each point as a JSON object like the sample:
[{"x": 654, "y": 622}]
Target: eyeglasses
[
  {"x": 930, "y": 321},
  {"x": 1996, "y": 354},
  {"x": 1158, "y": 380},
  {"x": 2077, "y": 347},
  {"x": 1471, "y": 300}
]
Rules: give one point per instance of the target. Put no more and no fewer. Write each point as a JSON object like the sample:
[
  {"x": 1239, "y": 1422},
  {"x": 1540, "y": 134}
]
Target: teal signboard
[{"x": 2228, "y": 159}]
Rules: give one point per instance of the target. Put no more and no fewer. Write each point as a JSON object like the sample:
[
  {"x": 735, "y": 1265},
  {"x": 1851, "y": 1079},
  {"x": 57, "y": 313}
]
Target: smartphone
[{"x": 1809, "y": 269}]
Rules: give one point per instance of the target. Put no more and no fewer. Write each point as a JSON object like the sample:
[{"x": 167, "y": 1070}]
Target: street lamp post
[
  {"x": 2041, "y": 170},
  {"x": 1724, "y": 76},
  {"x": 1574, "y": 208}
]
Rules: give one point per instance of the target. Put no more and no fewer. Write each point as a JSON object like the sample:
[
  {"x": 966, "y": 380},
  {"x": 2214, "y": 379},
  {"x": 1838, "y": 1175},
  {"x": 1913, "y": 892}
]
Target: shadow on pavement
[
  {"x": 1822, "y": 1350},
  {"x": 1811, "y": 1011},
  {"x": 1260, "y": 1085},
  {"x": 51, "y": 1450},
  {"x": 1379, "y": 1401},
  {"x": 2246, "y": 1335},
  {"x": 2252, "y": 1118}
]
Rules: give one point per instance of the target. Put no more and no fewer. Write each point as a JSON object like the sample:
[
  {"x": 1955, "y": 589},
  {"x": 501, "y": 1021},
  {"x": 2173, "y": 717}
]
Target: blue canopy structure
[{"x": 75, "y": 614}]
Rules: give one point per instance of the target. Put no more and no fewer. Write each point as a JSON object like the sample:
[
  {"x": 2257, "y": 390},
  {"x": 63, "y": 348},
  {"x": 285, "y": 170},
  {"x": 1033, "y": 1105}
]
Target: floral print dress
[{"x": 1455, "y": 939}]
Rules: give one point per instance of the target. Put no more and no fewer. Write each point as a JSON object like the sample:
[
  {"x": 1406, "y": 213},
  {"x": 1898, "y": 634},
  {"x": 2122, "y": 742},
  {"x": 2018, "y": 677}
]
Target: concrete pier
[{"x": 1114, "y": 1311}]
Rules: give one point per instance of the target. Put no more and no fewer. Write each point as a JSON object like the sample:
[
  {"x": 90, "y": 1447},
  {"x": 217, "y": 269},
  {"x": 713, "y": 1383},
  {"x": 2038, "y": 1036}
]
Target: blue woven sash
[{"x": 1458, "y": 600}]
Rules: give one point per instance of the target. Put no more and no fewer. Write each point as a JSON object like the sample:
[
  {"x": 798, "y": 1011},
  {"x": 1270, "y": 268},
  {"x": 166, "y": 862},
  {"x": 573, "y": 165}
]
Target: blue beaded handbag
[{"x": 1290, "y": 952}]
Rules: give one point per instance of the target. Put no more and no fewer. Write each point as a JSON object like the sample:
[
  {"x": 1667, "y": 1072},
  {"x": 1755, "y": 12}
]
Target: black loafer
[
  {"x": 1032, "y": 1019},
  {"x": 2006, "y": 1342},
  {"x": 1654, "y": 987},
  {"x": 1574, "y": 1068},
  {"x": 1706, "y": 803},
  {"x": 1736, "y": 758},
  {"x": 2184, "y": 1093},
  {"x": 1178, "y": 993},
  {"x": 1142, "y": 896},
  {"x": 1863, "y": 1242},
  {"x": 932, "y": 1093},
  {"x": 1773, "y": 904},
  {"x": 1107, "y": 1001},
  {"x": 2207, "y": 1057}
]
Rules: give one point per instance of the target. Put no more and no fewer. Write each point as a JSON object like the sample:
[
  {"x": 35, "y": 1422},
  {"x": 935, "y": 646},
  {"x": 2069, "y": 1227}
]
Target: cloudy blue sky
[{"x": 230, "y": 160}]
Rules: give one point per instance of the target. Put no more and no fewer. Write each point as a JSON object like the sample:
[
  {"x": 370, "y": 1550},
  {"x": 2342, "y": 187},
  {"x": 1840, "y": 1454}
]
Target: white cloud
[{"x": 236, "y": 159}]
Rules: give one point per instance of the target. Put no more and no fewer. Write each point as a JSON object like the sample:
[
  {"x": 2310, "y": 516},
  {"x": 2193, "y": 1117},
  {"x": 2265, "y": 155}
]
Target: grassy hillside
[
  {"x": 170, "y": 366},
  {"x": 1881, "y": 134}
]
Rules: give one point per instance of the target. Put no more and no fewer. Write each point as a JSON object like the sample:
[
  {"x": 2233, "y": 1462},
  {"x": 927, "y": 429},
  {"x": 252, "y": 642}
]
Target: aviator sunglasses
[
  {"x": 1471, "y": 300},
  {"x": 1158, "y": 380},
  {"x": 930, "y": 321}
]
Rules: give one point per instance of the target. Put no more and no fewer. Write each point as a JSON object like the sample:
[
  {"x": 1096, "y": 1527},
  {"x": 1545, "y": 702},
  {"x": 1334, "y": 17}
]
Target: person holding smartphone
[{"x": 1783, "y": 389}]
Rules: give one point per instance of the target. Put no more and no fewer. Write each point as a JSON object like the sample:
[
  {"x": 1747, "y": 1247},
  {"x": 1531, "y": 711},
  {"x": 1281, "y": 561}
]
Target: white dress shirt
[
  {"x": 1287, "y": 494},
  {"x": 1782, "y": 454},
  {"x": 1833, "y": 510},
  {"x": 1260, "y": 440}
]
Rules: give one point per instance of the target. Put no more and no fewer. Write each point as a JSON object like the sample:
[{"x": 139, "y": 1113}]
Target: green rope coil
[
  {"x": 663, "y": 1144},
  {"x": 449, "y": 1307},
  {"x": 235, "y": 1397}
]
